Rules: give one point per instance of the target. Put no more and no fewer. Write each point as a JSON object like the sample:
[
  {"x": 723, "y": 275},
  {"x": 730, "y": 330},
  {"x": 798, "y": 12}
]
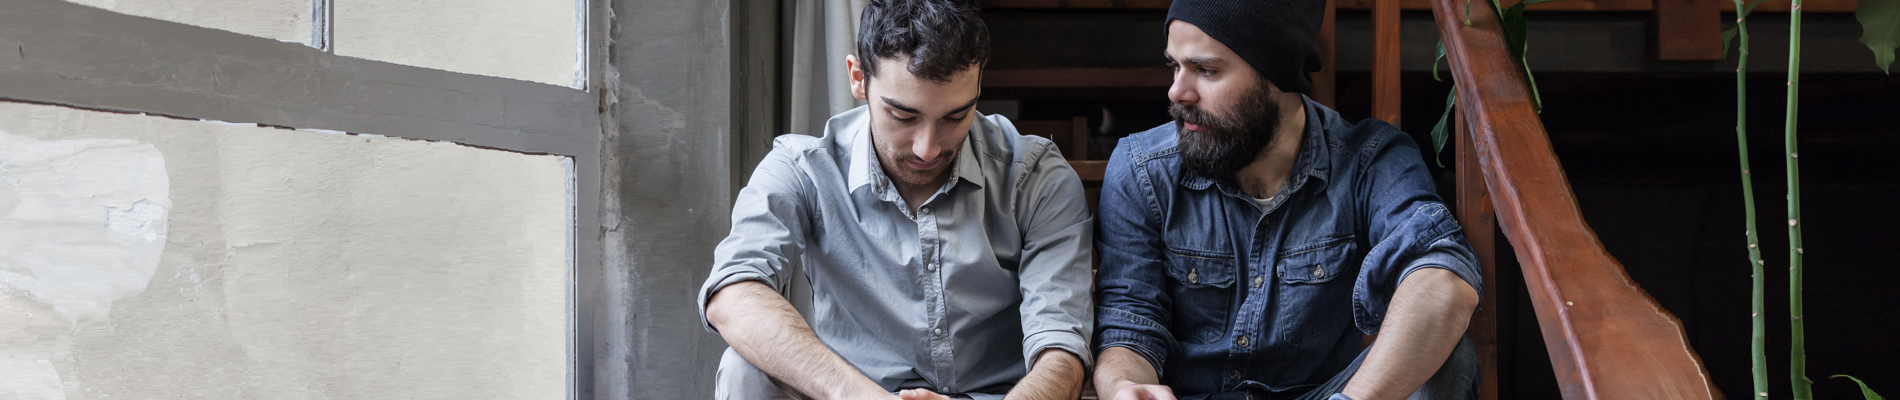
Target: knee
[
  {"x": 1457, "y": 379},
  {"x": 738, "y": 378}
]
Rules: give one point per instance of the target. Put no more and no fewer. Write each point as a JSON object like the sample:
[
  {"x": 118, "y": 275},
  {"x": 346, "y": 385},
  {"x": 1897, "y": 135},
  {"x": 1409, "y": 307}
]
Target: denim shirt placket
[
  {"x": 1250, "y": 318},
  {"x": 1267, "y": 235}
]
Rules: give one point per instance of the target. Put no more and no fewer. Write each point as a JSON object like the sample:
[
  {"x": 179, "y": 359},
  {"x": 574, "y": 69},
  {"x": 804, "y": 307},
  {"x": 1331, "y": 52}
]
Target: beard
[
  {"x": 896, "y": 164},
  {"x": 896, "y": 161},
  {"x": 1227, "y": 143}
]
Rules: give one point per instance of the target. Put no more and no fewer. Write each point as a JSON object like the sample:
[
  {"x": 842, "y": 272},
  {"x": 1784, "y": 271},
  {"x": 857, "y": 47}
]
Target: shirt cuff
[
  {"x": 1123, "y": 329},
  {"x": 713, "y": 286},
  {"x": 1445, "y": 259},
  {"x": 1068, "y": 341}
]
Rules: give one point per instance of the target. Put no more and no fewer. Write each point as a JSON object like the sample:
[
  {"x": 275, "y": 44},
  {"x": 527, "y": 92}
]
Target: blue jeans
[{"x": 1456, "y": 380}]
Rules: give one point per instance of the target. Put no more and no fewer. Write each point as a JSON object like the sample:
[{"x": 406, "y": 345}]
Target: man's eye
[
  {"x": 901, "y": 118},
  {"x": 1174, "y": 65},
  {"x": 957, "y": 118},
  {"x": 1206, "y": 72}
]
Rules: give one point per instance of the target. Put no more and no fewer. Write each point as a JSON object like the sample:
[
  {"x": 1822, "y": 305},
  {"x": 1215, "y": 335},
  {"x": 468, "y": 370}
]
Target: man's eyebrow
[
  {"x": 1203, "y": 60},
  {"x": 913, "y": 110},
  {"x": 967, "y": 106},
  {"x": 900, "y": 106}
]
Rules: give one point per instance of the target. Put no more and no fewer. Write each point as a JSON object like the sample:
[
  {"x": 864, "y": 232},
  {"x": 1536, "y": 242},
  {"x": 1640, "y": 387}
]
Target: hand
[
  {"x": 921, "y": 394},
  {"x": 1125, "y": 390}
]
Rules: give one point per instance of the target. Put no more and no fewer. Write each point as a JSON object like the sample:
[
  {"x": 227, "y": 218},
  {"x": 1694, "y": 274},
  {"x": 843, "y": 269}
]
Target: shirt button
[
  {"x": 938, "y": 331},
  {"x": 1233, "y": 374},
  {"x": 924, "y": 210},
  {"x": 1319, "y": 272},
  {"x": 1257, "y": 281},
  {"x": 1194, "y": 276},
  {"x": 1242, "y": 341},
  {"x": 930, "y": 267}
]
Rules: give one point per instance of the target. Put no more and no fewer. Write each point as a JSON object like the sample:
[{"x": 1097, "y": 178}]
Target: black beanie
[{"x": 1279, "y": 38}]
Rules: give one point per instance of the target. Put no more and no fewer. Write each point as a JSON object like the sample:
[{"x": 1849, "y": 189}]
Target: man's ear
[{"x": 856, "y": 73}]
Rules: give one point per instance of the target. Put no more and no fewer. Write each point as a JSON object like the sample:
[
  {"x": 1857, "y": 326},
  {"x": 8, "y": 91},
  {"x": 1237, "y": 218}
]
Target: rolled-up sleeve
[
  {"x": 769, "y": 221},
  {"x": 1409, "y": 226},
  {"x": 1057, "y": 308},
  {"x": 1133, "y": 313}
]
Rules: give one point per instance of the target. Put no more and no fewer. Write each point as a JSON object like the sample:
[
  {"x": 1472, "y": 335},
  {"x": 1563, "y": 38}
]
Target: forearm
[
  {"x": 765, "y": 329},
  {"x": 1119, "y": 366},
  {"x": 1429, "y": 313},
  {"x": 1055, "y": 375}
]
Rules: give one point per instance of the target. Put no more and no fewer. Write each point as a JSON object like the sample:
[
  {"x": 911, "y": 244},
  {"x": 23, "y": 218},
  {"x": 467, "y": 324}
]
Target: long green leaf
[
  {"x": 1728, "y": 35},
  {"x": 1751, "y": 7},
  {"x": 1864, "y": 391},
  {"x": 1441, "y": 133},
  {"x": 1436, "y": 59},
  {"x": 1516, "y": 30},
  {"x": 1879, "y": 29}
]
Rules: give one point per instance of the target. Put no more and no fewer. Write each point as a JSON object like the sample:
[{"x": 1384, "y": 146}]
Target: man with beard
[
  {"x": 945, "y": 252},
  {"x": 1243, "y": 244}
]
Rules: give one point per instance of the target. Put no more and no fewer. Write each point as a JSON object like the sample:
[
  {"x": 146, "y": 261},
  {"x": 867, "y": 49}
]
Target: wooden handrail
[{"x": 1606, "y": 337}]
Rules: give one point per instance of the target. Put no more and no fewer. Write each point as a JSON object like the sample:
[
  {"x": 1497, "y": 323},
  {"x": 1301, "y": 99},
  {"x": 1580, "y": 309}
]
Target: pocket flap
[
  {"x": 1317, "y": 262},
  {"x": 1198, "y": 269}
]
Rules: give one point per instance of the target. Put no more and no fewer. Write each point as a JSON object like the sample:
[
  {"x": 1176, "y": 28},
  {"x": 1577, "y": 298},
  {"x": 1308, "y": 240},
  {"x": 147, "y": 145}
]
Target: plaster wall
[
  {"x": 151, "y": 257},
  {"x": 666, "y": 195},
  {"x": 536, "y": 41},
  {"x": 286, "y": 20}
]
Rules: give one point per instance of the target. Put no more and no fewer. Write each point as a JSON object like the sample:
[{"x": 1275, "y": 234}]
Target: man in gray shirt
[{"x": 947, "y": 254}]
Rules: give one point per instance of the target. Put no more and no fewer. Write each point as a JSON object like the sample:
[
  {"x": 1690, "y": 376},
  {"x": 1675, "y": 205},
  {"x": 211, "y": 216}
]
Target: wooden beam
[
  {"x": 1091, "y": 171},
  {"x": 1606, "y": 337},
  {"x": 1325, "y": 81},
  {"x": 1689, "y": 30},
  {"x": 1079, "y": 138},
  {"x": 1479, "y": 220},
  {"x": 1077, "y": 77},
  {"x": 1385, "y": 61}
]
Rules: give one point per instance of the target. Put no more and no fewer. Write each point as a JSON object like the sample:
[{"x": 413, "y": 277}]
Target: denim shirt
[
  {"x": 959, "y": 296},
  {"x": 1225, "y": 293}
]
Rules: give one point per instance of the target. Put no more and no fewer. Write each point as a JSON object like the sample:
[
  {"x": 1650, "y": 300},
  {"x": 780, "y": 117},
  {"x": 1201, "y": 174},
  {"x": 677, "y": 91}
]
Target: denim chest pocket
[
  {"x": 1202, "y": 289},
  {"x": 1315, "y": 300}
]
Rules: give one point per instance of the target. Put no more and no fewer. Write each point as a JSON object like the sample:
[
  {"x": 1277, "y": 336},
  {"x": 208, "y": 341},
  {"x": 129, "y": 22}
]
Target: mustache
[
  {"x": 909, "y": 156},
  {"x": 1190, "y": 114}
]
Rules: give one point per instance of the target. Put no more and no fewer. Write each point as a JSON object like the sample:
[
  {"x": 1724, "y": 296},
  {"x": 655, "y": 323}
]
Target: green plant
[
  {"x": 1798, "y": 363},
  {"x": 1864, "y": 391},
  {"x": 1515, "y": 27},
  {"x": 1880, "y": 23},
  {"x": 1758, "y": 342}
]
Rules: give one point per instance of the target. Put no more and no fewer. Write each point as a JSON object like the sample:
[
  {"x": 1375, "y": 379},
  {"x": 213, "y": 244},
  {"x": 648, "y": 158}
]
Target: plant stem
[
  {"x": 1798, "y": 363},
  {"x": 1758, "y": 342}
]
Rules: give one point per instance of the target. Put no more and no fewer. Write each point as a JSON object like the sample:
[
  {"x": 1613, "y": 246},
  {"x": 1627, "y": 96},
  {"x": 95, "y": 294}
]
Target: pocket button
[{"x": 1194, "y": 276}]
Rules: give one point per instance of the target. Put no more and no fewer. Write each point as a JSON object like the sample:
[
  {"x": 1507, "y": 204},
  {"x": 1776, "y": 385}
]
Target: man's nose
[
  {"x": 926, "y": 147},
  {"x": 1182, "y": 91}
]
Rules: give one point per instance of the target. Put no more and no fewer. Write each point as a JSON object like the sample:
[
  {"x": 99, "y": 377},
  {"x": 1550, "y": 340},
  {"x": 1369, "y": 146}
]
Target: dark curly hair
[{"x": 942, "y": 37}]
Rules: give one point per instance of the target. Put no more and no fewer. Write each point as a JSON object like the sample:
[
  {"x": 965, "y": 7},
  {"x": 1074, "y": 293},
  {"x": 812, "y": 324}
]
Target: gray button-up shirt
[{"x": 956, "y": 297}]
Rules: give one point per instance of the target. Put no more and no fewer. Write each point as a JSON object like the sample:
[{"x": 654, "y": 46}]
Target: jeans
[
  {"x": 1457, "y": 380},
  {"x": 738, "y": 379}
]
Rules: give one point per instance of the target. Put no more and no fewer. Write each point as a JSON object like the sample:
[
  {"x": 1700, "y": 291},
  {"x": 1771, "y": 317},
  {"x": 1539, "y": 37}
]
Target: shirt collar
[{"x": 1314, "y": 160}]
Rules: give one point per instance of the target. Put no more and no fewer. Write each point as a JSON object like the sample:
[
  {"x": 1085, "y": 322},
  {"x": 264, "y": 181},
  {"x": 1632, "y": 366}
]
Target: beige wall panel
[
  {"x": 149, "y": 257},
  {"x": 530, "y": 40},
  {"x": 286, "y": 20}
]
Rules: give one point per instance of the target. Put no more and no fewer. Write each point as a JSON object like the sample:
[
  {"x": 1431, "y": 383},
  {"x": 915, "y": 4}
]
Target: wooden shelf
[{"x": 1078, "y": 78}]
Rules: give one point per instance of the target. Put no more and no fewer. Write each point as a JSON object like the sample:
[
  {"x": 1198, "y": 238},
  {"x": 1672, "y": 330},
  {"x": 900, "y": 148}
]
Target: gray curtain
[{"x": 821, "y": 33}]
